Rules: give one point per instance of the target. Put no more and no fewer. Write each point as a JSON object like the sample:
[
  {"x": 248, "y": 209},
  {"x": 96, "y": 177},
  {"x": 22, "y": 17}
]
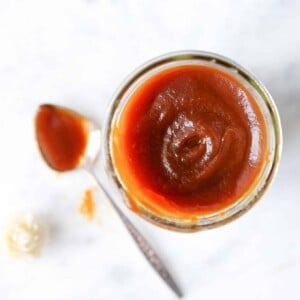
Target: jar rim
[{"x": 231, "y": 212}]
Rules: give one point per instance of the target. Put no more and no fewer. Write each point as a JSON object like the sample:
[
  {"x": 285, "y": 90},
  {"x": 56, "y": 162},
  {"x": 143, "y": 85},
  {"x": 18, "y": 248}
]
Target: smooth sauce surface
[
  {"x": 62, "y": 136},
  {"x": 191, "y": 140}
]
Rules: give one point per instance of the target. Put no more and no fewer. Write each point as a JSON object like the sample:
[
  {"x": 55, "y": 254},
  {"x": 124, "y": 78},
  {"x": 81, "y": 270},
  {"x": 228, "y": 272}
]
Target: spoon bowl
[{"x": 93, "y": 147}]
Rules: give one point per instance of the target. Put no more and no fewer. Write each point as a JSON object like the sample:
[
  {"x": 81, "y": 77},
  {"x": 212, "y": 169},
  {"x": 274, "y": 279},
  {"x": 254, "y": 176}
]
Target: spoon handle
[{"x": 141, "y": 242}]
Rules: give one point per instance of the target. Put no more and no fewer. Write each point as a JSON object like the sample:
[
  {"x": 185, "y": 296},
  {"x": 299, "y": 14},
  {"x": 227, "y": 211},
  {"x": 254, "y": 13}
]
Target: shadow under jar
[{"x": 192, "y": 140}]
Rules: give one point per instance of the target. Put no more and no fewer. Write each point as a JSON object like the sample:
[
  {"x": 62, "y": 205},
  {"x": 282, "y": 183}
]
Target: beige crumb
[{"x": 24, "y": 236}]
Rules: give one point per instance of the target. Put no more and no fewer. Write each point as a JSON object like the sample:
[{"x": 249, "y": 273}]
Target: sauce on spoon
[{"x": 62, "y": 136}]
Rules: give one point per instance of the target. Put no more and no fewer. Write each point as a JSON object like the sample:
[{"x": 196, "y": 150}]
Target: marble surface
[{"x": 76, "y": 53}]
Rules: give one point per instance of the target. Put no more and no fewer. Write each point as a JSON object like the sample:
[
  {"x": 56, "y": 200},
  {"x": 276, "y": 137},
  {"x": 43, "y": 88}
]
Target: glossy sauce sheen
[
  {"x": 190, "y": 141},
  {"x": 62, "y": 136}
]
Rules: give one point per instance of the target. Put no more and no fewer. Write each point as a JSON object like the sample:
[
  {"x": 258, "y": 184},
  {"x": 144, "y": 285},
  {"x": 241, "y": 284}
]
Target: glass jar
[{"x": 266, "y": 104}]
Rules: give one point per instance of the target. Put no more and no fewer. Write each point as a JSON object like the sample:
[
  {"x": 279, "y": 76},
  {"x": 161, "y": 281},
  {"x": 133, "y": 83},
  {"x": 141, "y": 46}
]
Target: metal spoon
[{"x": 87, "y": 163}]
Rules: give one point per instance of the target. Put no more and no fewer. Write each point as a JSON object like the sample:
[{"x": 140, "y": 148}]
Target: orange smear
[{"x": 87, "y": 206}]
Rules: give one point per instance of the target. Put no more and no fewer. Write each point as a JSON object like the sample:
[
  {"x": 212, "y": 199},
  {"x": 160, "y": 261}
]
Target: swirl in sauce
[{"x": 191, "y": 140}]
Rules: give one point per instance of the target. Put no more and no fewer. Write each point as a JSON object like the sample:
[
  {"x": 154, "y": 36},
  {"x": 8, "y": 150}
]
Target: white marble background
[{"x": 76, "y": 53}]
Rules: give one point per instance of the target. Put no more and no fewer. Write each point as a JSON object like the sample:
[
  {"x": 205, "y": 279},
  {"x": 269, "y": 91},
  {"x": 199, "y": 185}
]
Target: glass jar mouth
[{"x": 265, "y": 102}]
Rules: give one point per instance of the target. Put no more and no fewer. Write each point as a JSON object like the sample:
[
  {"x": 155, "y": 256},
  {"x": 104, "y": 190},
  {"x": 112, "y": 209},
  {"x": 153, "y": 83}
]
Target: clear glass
[{"x": 266, "y": 104}]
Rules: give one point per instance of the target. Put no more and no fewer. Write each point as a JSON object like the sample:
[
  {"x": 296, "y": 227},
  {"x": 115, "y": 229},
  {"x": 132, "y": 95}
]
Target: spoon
[{"x": 70, "y": 141}]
